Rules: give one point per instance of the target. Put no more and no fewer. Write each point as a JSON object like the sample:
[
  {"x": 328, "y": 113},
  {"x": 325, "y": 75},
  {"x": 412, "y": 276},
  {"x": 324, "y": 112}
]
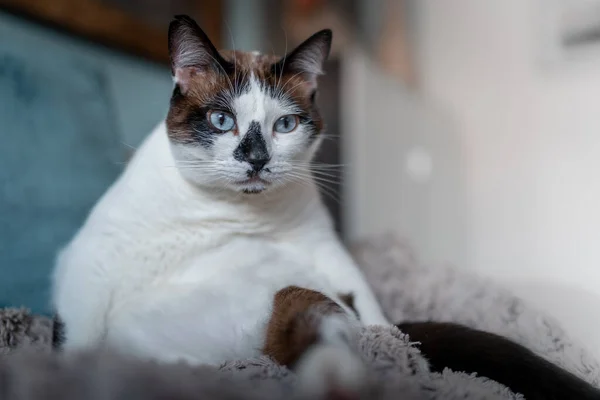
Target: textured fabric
[
  {"x": 409, "y": 291},
  {"x": 60, "y": 151},
  {"x": 398, "y": 370}
]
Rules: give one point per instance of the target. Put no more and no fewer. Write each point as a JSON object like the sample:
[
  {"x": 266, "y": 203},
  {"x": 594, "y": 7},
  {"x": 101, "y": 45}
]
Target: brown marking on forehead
[
  {"x": 249, "y": 61},
  {"x": 292, "y": 85},
  {"x": 212, "y": 88},
  {"x": 261, "y": 66}
]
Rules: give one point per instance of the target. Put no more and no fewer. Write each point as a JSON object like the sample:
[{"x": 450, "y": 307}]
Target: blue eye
[
  {"x": 286, "y": 124},
  {"x": 221, "y": 120}
]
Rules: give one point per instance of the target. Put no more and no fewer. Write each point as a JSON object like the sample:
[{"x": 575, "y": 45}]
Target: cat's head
[{"x": 243, "y": 121}]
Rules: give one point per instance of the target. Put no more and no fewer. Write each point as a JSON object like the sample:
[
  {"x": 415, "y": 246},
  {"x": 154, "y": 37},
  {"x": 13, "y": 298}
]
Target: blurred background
[{"x": 470, "y": 128}]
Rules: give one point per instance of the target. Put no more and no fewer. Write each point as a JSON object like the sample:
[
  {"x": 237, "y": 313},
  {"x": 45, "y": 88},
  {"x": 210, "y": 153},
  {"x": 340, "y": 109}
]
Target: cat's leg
[
  {"x": 334, "y": 261},
  {"x": 81, "y": 300},
  {"x": 58, "y": 332},
  {"x": 313, "y": 335}
]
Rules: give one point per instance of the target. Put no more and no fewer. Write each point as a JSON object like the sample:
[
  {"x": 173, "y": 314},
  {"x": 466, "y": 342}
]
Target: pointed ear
[
  {"x": 309, "y": 57},
  {"x": 191, "y": 51}
]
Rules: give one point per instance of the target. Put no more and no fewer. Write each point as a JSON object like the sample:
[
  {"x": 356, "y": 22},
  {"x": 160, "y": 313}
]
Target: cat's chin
[{"x": 253, "y": 185}]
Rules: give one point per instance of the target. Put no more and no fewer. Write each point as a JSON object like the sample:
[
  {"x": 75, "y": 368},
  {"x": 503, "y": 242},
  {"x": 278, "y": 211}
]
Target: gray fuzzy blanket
[{"x": 407, "y": 291}]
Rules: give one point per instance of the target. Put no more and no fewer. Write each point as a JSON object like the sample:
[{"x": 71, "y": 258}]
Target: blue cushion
[{"x": 59, "y": 151}]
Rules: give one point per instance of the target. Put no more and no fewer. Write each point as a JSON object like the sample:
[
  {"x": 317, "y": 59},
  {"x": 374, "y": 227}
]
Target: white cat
[{"x": 216, "y": 213}]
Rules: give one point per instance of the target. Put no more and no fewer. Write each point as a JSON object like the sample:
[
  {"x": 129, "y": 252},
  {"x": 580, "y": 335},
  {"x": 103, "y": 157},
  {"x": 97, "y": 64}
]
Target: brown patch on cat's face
[
  {"x": 294, "y": 323},
  {"x": 266, "y": 69}
]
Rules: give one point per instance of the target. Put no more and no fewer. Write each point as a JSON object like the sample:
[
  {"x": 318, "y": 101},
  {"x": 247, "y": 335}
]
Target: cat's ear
[
  {"x": 191, "y": 51},
  {"x": 309, "y": 57}
]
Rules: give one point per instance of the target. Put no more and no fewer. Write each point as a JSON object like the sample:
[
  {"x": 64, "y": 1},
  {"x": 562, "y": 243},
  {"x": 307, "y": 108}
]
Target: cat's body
[
  {"x": 163, "y": 269},
  {"x": 182, "y": 258}
]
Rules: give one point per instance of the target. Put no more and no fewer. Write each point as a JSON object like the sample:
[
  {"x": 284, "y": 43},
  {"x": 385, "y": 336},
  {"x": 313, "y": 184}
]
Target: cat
[
  {"x": 211, "y": 246},
  {"x": 186, "y": 255}
]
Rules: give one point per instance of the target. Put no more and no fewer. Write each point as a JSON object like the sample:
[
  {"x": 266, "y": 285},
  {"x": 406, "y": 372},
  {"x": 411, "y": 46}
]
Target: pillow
[{"x": 59, "y": 151}]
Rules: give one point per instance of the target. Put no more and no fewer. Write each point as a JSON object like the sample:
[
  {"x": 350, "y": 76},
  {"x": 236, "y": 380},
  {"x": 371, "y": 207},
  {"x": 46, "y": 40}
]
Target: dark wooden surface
[{"x": 138, "y": 28}]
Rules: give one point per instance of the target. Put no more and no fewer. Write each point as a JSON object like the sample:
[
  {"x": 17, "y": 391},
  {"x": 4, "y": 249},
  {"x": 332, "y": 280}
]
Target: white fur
[
  {"x": 334, "y": 362},
  {"x": 326, "y": 367},
  {"x": 173, "y": 267}
]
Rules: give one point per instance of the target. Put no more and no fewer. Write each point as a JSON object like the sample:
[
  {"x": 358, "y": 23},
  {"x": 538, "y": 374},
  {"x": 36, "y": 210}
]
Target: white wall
[
  {"x": 530, "y": 132},
  {"x": 385, "y": 127}
]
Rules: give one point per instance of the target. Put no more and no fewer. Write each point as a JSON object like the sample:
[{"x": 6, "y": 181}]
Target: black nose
[
  {"x": 257, "y": 163},
  {"x": 253, "y": 148}
]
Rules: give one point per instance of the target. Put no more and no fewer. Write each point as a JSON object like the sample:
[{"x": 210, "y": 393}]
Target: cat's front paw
[{"x": 331, "y": 372}]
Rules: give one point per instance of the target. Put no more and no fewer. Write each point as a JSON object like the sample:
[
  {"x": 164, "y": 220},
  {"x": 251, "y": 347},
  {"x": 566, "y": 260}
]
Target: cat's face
[{"x": 245, "y": 122}]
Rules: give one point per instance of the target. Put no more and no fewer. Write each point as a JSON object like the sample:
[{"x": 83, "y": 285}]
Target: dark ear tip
[
  {"x": 179, "y": 20},
  {"x": 327, "y": 36},
  {"x": 176, "y": 22},
  {"x": 183, "y": 18},
  {"x": 182, "y": 21},
  {"x": 326, "y": 33}
]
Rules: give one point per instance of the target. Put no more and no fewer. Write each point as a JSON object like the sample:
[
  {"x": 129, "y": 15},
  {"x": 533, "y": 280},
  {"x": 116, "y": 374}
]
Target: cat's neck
[{"x": 152, "y": 185}]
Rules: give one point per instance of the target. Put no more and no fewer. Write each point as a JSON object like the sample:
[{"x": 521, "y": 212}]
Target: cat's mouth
[
  {"x": 254, "y": 184},
  {"x": 253, "y": 180}
]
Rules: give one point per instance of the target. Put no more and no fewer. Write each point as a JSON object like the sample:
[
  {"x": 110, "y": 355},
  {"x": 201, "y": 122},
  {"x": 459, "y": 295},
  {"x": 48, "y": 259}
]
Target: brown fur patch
[
  {"x": 294, "y": 323},
  {"x": 261, "y": 66},
  {"x": 207, "y": 89}
]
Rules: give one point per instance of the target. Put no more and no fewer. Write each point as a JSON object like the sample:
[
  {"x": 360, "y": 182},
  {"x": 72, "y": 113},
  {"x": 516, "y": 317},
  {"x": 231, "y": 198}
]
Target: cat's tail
[{"x": 316, "y": 337}]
